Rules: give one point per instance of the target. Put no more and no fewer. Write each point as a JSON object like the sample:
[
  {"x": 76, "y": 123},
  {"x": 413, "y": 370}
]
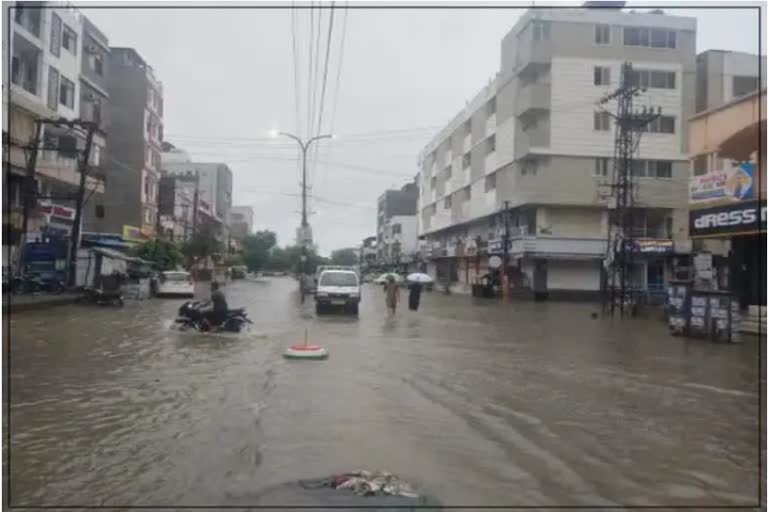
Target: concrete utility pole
[
  {"x": 304, "y": 223},
  {"x": 80, "y": 199},
  {"x": 29, "y": 194},
  {"x": 621, "y": 246}
]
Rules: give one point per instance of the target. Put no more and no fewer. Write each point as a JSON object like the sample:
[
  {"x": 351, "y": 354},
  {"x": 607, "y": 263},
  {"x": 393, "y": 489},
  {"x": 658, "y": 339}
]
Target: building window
[
  {"x": 490, "y": 144},
  {"x": 28, "y": 18},
  {"x": 541, "y": 30},
  {"x": 662, "y": 124},
  {"x": 69, "y": 40},
  {"x": 601, "y": 167},
  {"x": 467, "y": 127},
  {"x": 447, "y": 202},
  {"x": 433, "y": 182},
  {"x": 24, "y": 71},
  {"x": 53, "y": 88},
  {"x": 650, "y": 78},
  {"x": 467, "y": 193},
  {"x": 97, "y": 64},
  {"x": 397, "y": 229},
  {"x": 744, "y": 85},
  {"x": 490, "y": 182},
  {"x": 528, "y": 168},
  {"x": 490, "y": 107},
  {"x": 668, "y": 227},
  {"x": 661, "y": 169},
  {"x": 700, "y": 165},
  {"x": 602, "y": 75},
  {"x": 602, "y": 34},
  {"x": 67, "y": 93},
  {"x": 602, "y": 121},
  {"x": 55, "y": 35},
  {"x": 650, "y": 38},
  {"x": 448, "y": 172},
  {"x": 465, "y": 161}
]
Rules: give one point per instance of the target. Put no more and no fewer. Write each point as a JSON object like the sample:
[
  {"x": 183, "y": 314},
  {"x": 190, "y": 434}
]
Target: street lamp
[{"x": 304, "y": 149}]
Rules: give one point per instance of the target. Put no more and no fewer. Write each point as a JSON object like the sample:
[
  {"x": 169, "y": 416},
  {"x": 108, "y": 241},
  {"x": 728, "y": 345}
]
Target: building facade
[
  {"x": 176, "y": 206},
  {"x": 727, "y": 203},
  {"x": 533, "y": 145},
  {"x": 215, "y": 189},
  {"x": 241, "y": 222},
  {"x": 396, "y": 225},
  {"x": 42, "y": 65},
  {"x": 136, "y": 133}
]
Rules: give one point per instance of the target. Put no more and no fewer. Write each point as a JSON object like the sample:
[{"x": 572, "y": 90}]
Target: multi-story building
[
  {"x": 44, "y": 51},
  {"x": 136, "y": 133},
  {"x": 727, "y": 203},
  {"x": 241, "y": 222},
  {"x": 215, "y": 189},
  {"x": 534, "y": 140},
  {"x": 396, "y": 208},
  {"x": 176, "y": 206},
  {"x": 368, "y": 253},
  {"x": 94, "y": 106}
]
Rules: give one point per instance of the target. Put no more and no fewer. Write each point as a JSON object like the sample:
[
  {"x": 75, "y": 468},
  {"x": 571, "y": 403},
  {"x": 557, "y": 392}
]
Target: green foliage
[
  {"x": 256, "y": 249},
  {"x": 164, "y": 254},
  {"x": 347, "y": 256},
  {"x": 201, "y": 245}
]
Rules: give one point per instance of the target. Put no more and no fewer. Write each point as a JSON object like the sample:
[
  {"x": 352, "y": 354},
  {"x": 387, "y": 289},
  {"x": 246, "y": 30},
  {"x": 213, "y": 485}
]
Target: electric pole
[
  {"x": 505, "y": 272},
  {"x": 630, "y": 124},
  {"x": 83, "y": 163},
  {"x": 29, "y": 195}
]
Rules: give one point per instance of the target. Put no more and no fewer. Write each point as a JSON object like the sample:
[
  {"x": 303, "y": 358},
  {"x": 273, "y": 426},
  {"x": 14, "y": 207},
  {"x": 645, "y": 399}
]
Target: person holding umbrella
[{"x": 416, "y": 282}]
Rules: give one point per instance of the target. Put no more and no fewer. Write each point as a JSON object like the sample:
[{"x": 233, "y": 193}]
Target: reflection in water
[{"x": 480, "y": 402}]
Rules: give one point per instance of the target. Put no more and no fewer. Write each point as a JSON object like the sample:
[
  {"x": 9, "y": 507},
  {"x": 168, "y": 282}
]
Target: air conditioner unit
[{"x": 92, "y": 48}]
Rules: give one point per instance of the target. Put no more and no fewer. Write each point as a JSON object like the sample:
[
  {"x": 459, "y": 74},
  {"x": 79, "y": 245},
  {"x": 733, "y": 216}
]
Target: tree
[
  {"x": 256, "y": 249},
  {"x": 201, "y": 245},
  {"x": 347, "y": 256},
  {"x": 164, "y": 254}
]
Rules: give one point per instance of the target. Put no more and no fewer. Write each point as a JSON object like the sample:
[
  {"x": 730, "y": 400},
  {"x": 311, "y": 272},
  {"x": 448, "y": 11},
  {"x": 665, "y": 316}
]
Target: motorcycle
[
  {"x": 194, "y": 315},
  {"x": 101, "y": 298}
]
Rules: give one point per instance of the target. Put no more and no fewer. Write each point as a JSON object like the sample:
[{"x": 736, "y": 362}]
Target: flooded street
[{"x": 478, "y": 402}]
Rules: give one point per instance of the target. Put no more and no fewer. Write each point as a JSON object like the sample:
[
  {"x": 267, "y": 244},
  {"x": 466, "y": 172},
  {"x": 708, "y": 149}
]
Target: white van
[{"x": 337, "y": 288}]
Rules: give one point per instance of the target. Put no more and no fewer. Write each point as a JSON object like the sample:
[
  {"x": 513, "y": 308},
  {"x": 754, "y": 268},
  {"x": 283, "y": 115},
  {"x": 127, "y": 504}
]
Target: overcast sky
[{"x": 228, "y": 78}]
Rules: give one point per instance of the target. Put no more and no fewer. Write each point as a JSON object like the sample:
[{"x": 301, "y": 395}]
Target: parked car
[
  {"x": 238, "y": 272},
  {"x": 337, "y": 288},
  {"x": 175, "y": 282}
]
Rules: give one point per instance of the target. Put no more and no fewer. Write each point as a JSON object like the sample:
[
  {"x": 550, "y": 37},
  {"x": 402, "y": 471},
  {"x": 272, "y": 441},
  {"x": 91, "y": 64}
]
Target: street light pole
[{"x": 304, "y": 223}]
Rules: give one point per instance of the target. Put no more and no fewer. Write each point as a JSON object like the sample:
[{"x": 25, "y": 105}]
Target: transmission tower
[{"x": 630, "y": 122}]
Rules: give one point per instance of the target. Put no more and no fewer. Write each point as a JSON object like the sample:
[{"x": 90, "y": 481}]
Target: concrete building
[
  {"x": 94, "y": 106},
  {"x": 176, "y": 206},
  {"x": 241, "y": 222},
  {"x": 532, "y": 137},
  {"x": 215, "y": 189},
  {"x": 42, "y": 62},
  {"x": 727, "y": 204},
  {"x": 396, "y": 225},
  {"x": 136, "y": 133},
  {"x": 368, "y": 253},
  {"x": 722, "y": 76}
]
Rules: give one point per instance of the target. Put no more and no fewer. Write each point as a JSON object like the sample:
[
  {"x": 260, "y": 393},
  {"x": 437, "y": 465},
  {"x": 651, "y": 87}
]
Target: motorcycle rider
[{"x": 218, "y": 312}]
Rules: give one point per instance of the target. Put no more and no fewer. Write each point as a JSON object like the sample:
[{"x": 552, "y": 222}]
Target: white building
[{"x": 532, "y": 137}]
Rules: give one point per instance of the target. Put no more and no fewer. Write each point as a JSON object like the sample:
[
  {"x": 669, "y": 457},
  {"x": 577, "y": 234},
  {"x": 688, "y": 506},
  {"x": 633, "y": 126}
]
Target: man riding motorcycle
[{"x": 217, "y": 313}]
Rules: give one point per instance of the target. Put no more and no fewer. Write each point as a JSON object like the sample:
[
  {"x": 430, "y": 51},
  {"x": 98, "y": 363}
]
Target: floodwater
[{"x": 477, "y": 402}]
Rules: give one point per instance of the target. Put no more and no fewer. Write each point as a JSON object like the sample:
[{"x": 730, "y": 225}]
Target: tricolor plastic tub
[{"x": 305, "y": 352}]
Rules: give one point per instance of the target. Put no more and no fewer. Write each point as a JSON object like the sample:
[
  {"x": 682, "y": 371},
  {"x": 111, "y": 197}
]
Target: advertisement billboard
[{"x": 729, "y": 185}]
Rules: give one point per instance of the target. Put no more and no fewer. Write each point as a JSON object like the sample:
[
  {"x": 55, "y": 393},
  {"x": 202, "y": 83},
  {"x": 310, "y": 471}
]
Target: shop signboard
[
  {"x": 728, "y": 185},
  {"x": 57, "y": 211},
  {"x": 653, "y": 246},
  {"x": 132, "y": 234},
  {"x": 739, "y": 218}
]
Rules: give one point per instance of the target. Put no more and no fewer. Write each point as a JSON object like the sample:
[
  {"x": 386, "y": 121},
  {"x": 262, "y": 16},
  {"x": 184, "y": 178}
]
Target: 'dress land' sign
[{"x": 744, "y": 217}]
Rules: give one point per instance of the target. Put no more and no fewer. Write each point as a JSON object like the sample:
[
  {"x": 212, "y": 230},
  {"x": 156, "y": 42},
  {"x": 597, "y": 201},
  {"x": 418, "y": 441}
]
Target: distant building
[
  {"x": 176, "y": 206},
  {"x": 395, "y": 210},
  {"x": 241, "y": 222},
  {"x": 368, "y": 253},
  {"x": 136, "y": 133},
  {"x": 722, "y": 76}
]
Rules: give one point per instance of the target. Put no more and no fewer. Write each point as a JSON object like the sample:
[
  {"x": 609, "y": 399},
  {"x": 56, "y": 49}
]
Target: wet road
[{"x": 480, "y": 403}]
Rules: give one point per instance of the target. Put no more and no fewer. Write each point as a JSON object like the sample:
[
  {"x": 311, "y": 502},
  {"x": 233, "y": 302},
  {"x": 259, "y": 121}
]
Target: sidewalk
[{"x": 27, "y": 302}]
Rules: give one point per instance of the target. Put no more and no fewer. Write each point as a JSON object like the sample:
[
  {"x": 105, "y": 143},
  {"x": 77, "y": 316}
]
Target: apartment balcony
[
  {"x": 490, "y": 163},
  {"x": 466, "y": 144},
  {"x": 562, "y": 247},
  {"x": 466, "y": 176},
  {"x": 531, "y": 142},
  {"x": 533, "y": 99},
  {"x": 490, "y": 125},
  {"x": 533, "y": 57}
]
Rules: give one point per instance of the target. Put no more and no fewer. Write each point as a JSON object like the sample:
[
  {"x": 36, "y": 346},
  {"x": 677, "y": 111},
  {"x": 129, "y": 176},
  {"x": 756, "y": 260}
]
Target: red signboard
[{"x": 60, "y": 212}]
